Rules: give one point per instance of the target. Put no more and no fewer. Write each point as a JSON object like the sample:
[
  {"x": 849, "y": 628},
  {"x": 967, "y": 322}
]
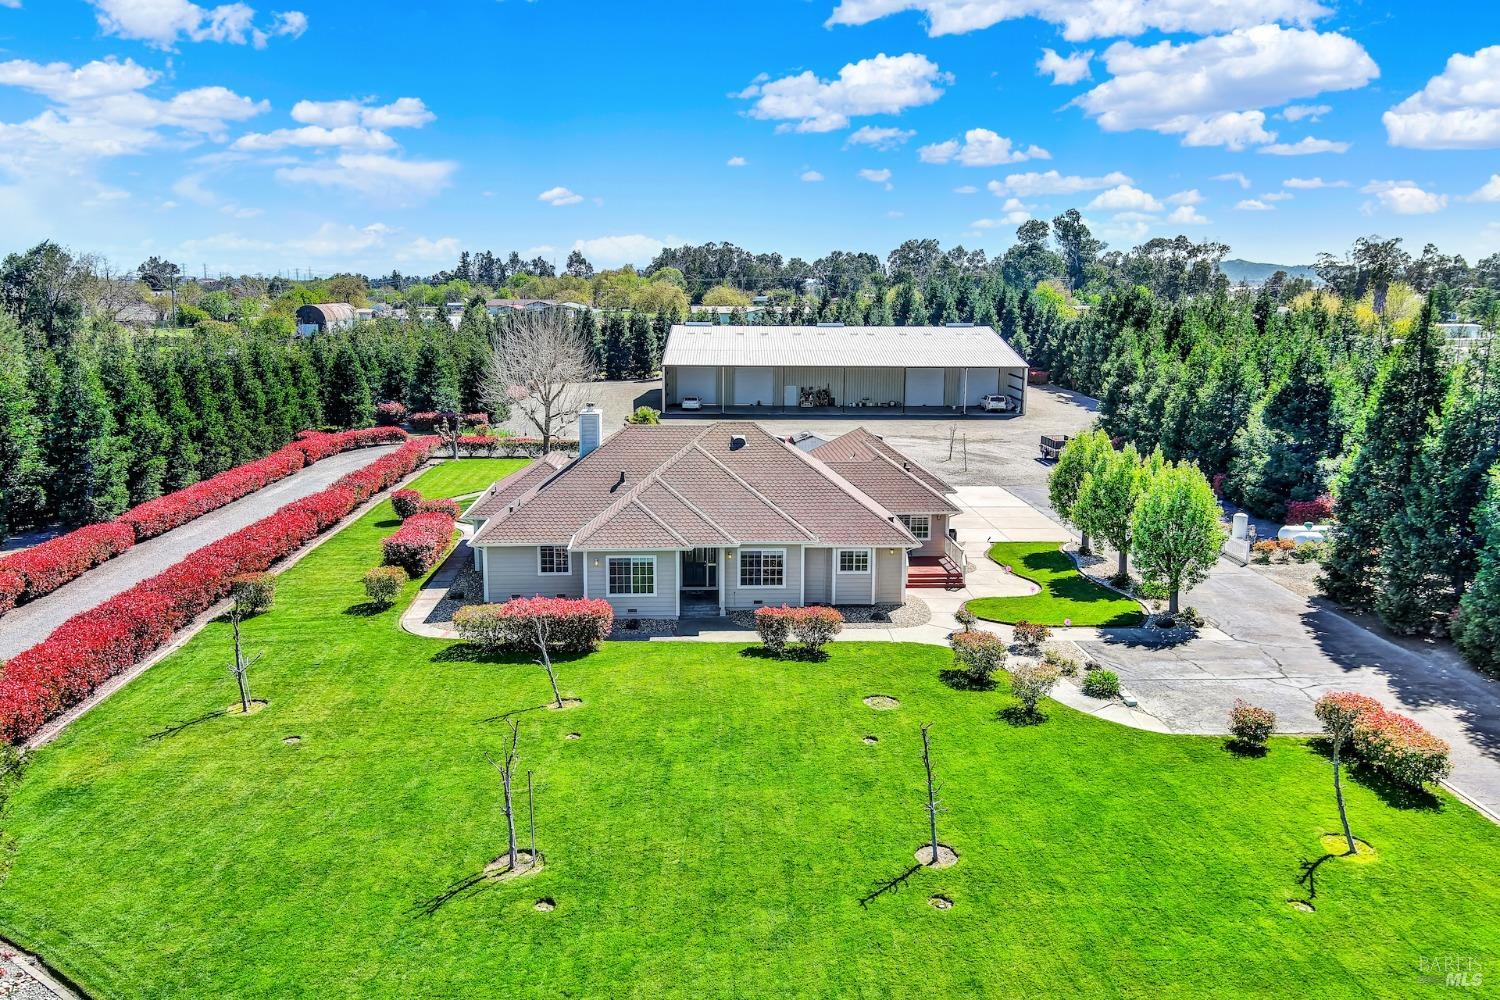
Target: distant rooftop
[{"x": 840, "y": 346}]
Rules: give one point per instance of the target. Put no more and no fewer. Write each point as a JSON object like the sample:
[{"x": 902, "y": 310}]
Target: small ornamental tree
[
  {"x": 977, "y": 655},
  {"x": 1250, "y": 725},
  {"x": 774, "y": 625},
  {"x": 1339, "y": 711},
  {"x": 383, "y": 585},
  {"x": 1029, "y": 636},
  {"x": 1080, "y": 456},
  {"x": 406, "y": 503},
  {"x": 1031, "y": 682},
  {"x": 253, "y": 593},
  {"x": 1106, "y": 502},
  {"x": 815, "y": 628},
  {"x": 1175, "y": 530}
]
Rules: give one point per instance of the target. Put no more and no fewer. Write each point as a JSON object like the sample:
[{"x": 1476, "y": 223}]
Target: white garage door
[
  {"x": 751, "y": 386},
  {"x": 982, "y": 382},
  {"x": 700, "y": 382},
  {"x": 924, "y": 387}
]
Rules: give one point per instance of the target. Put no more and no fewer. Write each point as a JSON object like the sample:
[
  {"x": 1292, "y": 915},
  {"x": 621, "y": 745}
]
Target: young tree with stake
[
  {"x": 1175, "y": 530},
  {"x": 241, "y": 667},
  {"x": 1339, "y": 711},
  {"x": 507, "y": 771},
  {"x": 932, "y": 802}
]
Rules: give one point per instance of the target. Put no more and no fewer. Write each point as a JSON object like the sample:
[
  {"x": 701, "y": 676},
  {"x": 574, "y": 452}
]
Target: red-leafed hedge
[
  {"x": 51, "y": 564},
  {"x": 1304, "y": 511},
  {"x": 12, "y": 586},
  {"x": 575, "y": 625},
  {"x": 437, "y": 505},
  {"x": 420, "y": 542},
  {"x": 406, "y": 502},
  {"x": 90, "y": 647}
]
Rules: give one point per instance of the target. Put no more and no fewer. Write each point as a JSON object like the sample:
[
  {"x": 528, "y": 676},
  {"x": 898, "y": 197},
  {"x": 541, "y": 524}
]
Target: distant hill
[{"x": 1254, "y": 273}]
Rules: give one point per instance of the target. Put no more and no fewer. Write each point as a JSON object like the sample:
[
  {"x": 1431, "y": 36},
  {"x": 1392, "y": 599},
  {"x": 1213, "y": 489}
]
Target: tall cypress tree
[
  {"x": 23, "y": 467},
  {"x": 348, "y": 402},
  {"x": 617, "y": 348},
  {"x": 1282, "y": 453},
  {"x": 434, "y": 381},
  {"x": 1476, "y": 630},
  {"x": 642, "y": 345},
  {"x": 1406, "y": 399},
  {"x": 142, "y": 431},
  {"x": 85, "y": 449}
]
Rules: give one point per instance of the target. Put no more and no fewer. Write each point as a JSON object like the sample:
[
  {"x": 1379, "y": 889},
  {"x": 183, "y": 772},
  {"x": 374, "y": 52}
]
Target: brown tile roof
[
  {"x": 894, "y": 488},
  {"x": 495, "y": 499},
  {"x": 860, "y": 446},
  {"x": 685, "y": 486}
]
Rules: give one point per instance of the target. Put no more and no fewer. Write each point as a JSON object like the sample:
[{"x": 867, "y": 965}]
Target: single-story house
[
  {"x": 497, "y": 306},
  {"x": 683, "y": 519},
  {"x": 833, "y": 367},
  {"x": 325, "y": 317}
]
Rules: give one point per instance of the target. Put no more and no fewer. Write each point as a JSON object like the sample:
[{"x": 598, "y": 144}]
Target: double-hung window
[
  {"x": 632, "y": 576},
  {"x": 854, "y": 560},
  {"x": 920, "y": 525},
  {"x": 762, "y": 568},
  {"x": 552, "y": 560}
]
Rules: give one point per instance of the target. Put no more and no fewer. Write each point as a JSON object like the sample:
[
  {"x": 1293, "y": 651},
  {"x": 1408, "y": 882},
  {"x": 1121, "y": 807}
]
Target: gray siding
[
  {"x": 819, "y": 563},
  {"x": 890, "y": 576},
  {"x": 854, "y": 588},
  {"x": 663, "y": 604},
  {"x": 736, "y": 596},
  {"x": 934, "y": 545},
  {"x": 512, "y": 571}
]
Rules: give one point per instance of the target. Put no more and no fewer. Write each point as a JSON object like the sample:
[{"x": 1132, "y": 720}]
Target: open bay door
[
  {"x": 924, "y": 387},
  {"x": 752, "y": 386},
  {"x": 702, "y": 382}
]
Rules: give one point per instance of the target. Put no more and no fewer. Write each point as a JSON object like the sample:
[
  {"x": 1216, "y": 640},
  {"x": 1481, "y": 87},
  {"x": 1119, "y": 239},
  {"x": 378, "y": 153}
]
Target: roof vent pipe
[{"x": 736, "y": 442}]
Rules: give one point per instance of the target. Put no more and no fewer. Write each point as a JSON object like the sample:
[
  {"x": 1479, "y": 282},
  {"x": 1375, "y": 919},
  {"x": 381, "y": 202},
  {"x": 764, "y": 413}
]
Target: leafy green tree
[
  {"x": 1080, "y": 456},
  {"x": 1405, "y": 402},
  {"x": 23, "y": 467},
  {"x": 434, "y": 382},
  {"x": 908, "y": 309},
  {"x": 1077, "y": 246},
  {"x": 142, "y": 432},
  {"x": 642, "y": 345},
  {"x": 1282, "y": 454},
  {"x": 1175, "y": 530},
  {"x": 617, "y": 347},
  {"x": 1105, "y": 507}
]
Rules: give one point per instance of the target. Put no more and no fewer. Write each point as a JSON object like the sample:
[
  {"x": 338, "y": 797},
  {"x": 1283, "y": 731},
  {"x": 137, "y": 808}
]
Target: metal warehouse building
[{"x": 833, "y": 367}]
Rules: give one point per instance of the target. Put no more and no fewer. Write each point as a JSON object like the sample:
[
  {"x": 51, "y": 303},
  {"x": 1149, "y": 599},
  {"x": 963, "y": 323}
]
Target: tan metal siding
[{"x": 877, "y": 385}]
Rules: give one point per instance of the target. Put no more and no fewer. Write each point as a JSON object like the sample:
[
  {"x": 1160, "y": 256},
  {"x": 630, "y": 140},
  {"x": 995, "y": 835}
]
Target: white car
[
  {"x": 692, "y": 403},
  {"x": 996, "y": 403}
]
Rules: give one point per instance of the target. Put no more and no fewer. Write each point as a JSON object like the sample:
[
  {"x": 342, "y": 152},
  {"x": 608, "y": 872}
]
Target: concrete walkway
[{"x": 30, "y": 623}]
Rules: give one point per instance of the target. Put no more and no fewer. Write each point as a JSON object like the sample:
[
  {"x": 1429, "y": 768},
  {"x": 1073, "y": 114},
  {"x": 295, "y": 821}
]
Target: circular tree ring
[
  {"x": 567, "y": 703},
  {"x": 546, "y": 904},
  {"x": 1334, "y": 843},
  {"x": 940, "y": 902},
  {"x": 870, "y": 739},
  {"x": 500, "y": 870},
  {"x": 573, "y": 736},
  {"x": 882, "y": 702},
  {"x": 947, "y": 856},
  {"x": 256, "y": 704},
  {"x": 1303, "y": 905},
  {"x": 291, "y": 741}
]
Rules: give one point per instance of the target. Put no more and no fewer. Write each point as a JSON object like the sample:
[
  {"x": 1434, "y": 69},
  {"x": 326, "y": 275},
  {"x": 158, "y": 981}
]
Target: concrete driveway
[{"x": 30, "y": 623}]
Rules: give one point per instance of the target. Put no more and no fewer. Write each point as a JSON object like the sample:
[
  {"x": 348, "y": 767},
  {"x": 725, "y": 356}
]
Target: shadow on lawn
[
  {"x": 1054, "y": 572},
  {"x": 466, "y": 886},
  {"x": 367, "y": 609},
  {"x": 888, "y": 885},
  {"x": 173, "y": 730},
  {"x": 467, "y": 652},
  {"x": 960, "y": 680},
  {"x": 1016, "y": 715},
  {"x": 1392, "y": 793},
  {"x": 794, "y": 655}
]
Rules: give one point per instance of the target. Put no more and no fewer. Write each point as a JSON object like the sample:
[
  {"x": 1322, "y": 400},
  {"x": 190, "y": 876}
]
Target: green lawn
[
  {"x": 467, "y": 475},
  {"x": 709, "y": 835},
  {"x": 1066, "y": 593}
]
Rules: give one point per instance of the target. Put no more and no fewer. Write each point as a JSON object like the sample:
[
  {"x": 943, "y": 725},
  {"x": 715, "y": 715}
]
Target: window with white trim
[
  {"x": 631, "y": 576},
  {"x": 552, "y": 560},
  {"x": 762, "y": 568},
  {"x": 854, "y": 560},
  {"x": 920, "y": 525}
]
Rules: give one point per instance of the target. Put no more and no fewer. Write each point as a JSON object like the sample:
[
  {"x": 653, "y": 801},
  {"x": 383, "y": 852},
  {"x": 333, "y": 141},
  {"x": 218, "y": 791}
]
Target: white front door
[
  {"x": 752, "y": 386},
  {"x": 924, "y": 387}
]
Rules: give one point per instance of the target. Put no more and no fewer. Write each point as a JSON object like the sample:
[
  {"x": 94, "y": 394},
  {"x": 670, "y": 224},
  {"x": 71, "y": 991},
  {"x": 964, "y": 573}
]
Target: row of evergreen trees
[{"x": 106, "y": 419}]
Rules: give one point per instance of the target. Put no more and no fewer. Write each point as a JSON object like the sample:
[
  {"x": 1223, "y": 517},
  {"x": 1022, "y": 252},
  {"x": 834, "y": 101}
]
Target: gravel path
[{"x": 30, "y": 623}]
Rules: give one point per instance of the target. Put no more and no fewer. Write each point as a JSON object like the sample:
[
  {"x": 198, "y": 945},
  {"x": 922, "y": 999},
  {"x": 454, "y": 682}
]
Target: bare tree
[
  {"x": 538, "y": 365},
  {"x": 507, "y": 770},
  {"x": 932, "y": 802},
  {"x": 544, "y": 657},
  {"x": 241, "y": 668},
  {"x": 105, "y": 292}
]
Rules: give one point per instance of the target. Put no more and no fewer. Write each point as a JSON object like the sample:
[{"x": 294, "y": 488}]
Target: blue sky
[{"x": 374, "y": 135}]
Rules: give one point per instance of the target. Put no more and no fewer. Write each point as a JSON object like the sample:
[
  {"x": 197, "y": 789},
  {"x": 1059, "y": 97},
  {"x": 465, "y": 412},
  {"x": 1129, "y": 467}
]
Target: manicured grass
[
  {"x": 709, "y": 835},
  {"x": 467, "y": 475},
  {"x": 1066, "y": 593}
]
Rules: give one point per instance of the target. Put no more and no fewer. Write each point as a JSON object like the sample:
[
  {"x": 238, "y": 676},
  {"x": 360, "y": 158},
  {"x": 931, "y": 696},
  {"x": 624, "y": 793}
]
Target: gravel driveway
[{"x": 31, "y": 623}]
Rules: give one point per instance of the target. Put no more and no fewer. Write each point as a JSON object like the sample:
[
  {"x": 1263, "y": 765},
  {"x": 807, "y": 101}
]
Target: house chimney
[{"x": 590, "y": 429}]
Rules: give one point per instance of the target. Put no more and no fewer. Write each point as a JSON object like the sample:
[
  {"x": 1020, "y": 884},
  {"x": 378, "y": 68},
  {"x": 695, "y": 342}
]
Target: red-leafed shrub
[
  {"x": 389, "y": 414},
  {"x": 406, "y": 502},
  {"x": 1218, "y": 485},
  {"x": 12, "y": 586},
  {"x": 775, "y": 628},
  {"x": 427, "y": 421},
  {"x": 90, "y": 647},
  {"x": 1251, "y": 725},
  {"x": 1400, "y": 747},
  {"x": 51, "y": 564},
  {"x": 572, "y": 625},
  {"x": 1314, "y": 511},
  {"x": 977, "y": 655},
  {"x": 475, "y": 421},
  {"x": 417, "y": 547},
  {"x": 478, "y": 444},
  {"x": 437, "y": 505},
  {"x": 1029, "y": 636},
  {"x": 814, "y": 628}
]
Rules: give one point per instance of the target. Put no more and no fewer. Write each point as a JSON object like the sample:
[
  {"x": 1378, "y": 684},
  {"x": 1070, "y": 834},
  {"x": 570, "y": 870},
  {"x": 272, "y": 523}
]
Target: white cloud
[
  {"x": 614, "y": 251},
  {"x": 63, "y": 83},
  {"x": 1085, "y": 19},
  {"x": 1277, "y": 196},
  {"x": 1186, "y": 198},
  {"x": 1014, "y": 218},
  {"x": 1311, "y": 183},
  {"x": 884, "y": 139},
  {"x": 1305, "y": 147},
  {"x": 1125, "y": 198},
  {"x": 1458, "y": 109},
  {"x": 404, "y": 112},
  {"x": 1065, "y": 69},
  {"x": 1052, "y": 182},
  {"x": 1304, "y": 112},
  {"x": 1187, "y": 215},
  {"x": 316, "y": 137},
  {"x": 980, "y": 148},
  {"x": 735, "y": 161},
  {"x": 893, "y": 214},
  {"x": 1489, "y": 192},
  {"x": 559, "y": 196},
  {"x": 883, "y": 85},
  {"x": 1254, "y": 205},
  {"x": 375, "y": 175},
  {"x": 1403, "y": 198},
  {"x": 163, "y": 22},
  {"x": 811, "y": 176},
  {"x": 966, "y": 189},
  {"x": 882, "y": 176},
  {"x": 1236, "y": 177},
  {"x": 1203, "y": 88},
  {"x": 12, "y": 4},
  {"x": 331, "y": 246}
]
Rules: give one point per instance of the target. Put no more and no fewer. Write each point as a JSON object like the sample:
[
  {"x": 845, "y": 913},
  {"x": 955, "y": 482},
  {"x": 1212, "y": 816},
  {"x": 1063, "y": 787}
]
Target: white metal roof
[{"x": 840, "y": 346}]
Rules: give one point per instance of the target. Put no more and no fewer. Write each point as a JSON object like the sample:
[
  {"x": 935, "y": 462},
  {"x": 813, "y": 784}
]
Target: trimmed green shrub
[
  {"x": 383, "y": 585},
  {"x": 977, "y": 655},
  {"x": 253, "y": 593},
  {"x": 1101, "y": 684}
]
